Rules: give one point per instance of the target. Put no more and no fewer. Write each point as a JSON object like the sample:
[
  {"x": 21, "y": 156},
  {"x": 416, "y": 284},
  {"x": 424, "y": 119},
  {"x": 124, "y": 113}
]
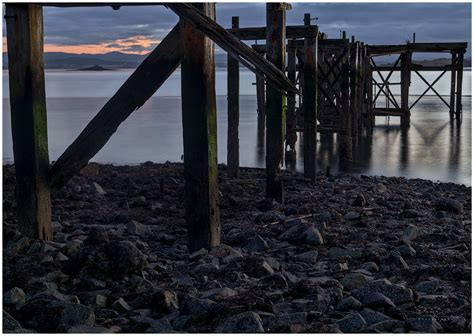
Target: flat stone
[
  {"x": 219, "y": 293},
  {"x": 160, "y": 326},
  {"x": 137, "y": 229},
  {"x": 121, "y": 306},
  {"x": 198, "y": 254},
  {"x": 351, "y": 323},
  {"x": 352, "y": 215},
  {"x": 255, "y": 244},
  {"x": 428, "y": 287},
  {"x": 274, "y": 322},
  {"x": 302, "y": 233},
  {"x": 448, "y": 204},
  {"x": 196, "y": 306},
  {"x": 424, "y": 323},
  {"x": 370, "y": 266},
  {"x": 396, "y": 293},
  {"x": 349, "y": 303},
  {"x": 377, "y": 300},
  {"x": 372, "y": 316},
  {"x": 247, "y": 322},
  {"x": 337, "y": 252},
  {"x": 307, "y": 257},
  {"x": 355, "y": 280},
  {"x": 96, "y": 188}
]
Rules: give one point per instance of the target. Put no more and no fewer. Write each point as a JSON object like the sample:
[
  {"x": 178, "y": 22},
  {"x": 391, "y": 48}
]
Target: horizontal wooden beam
[
  {"x": 259, "y": 33},
  {"x": 138, "y": 88},
  {"x": 394, "y": 112},
  {"x": 114, "y": 5},
  {"x": 236, "y": 48},
  {"x": 417, "y": 68},
  {"x": 416, "y": 47}
]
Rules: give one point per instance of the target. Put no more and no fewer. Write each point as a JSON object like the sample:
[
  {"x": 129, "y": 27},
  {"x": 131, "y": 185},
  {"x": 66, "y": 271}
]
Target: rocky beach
[{"x": 347, "y": 254}]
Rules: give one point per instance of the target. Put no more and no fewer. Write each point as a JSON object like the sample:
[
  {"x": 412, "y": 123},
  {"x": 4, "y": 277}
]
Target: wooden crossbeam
[
  {"x": 430, "y": 87},
  {"x": 388, "y": 76},
  {"x": 230, "y": 43},
  {"x": 259, "y": 33},
  {"x": 138, "y": 88}
]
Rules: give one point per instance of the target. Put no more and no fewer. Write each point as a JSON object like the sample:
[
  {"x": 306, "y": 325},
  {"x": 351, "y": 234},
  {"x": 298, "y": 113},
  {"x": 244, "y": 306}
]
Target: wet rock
[
  {"x": 86, "y": 329},
  {"x": 351, "y": 323},
  {"x": 428, "y": 287},
  {"x": 302, "y": 233},
  {"x": 121, "y": 306},
  {"x": 352, "y": 215},
  {"x": 370, "y": 266},
  {"x": 198, "y": 254},
  {"x": 448, "y": 204},
  {"x": 160, "y": 326},
  {"x": 424, "y": 323},
  {"x": 14, "y": 298},
  {"x": 372, "y": 316},
  {"x": 396, "y": 293},
  {"x": 378, "y": 300},
  {"x": 165, "y": 301},
  {"x": 355, "y": 280},
  {"x": 219, "y": 293},
  {"x": 349, "y": 303},
  {"x": 247, "y": 322},
  {"x": 273, "y": 323},
  {"x": 255, "y": 244},
  {"x": 137, "y": 229}
]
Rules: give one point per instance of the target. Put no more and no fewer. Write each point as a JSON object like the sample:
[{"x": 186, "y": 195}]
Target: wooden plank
[
  {"x": 136, "y": 90},
  {"x": 233, "y": 83},
  {"x": 291, "y": 136},
  {"x": 239, "y": 50},
  {"x": 459, "y": 86},
  {"x": 259, "y": 33},
  {"x": 28, "y": 119},
  {"x": 309, "y": 103},
  {"x": 417, "y": 47},
  {"x": 198, "y": 96},
  {"x": 275, "y": 116},
  {"x": 394, "y": 112}
]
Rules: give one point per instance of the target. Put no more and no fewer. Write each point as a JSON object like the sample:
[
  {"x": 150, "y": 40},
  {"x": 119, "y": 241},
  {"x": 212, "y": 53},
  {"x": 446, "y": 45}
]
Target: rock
[
  {"x": 355, "y": 280},
  {"x": 263, "y": 269},
  {"x": 410, "y": 234},
  {"x": 396, "y": 293},
  {"x": 448, "y": 204},
  {"x": 137, "y": 229},
  {"x": 407, "y": 251},
  {"x": 14, "y": 298},
  {"x": 85, "y": 329},
  {"x": 97, "y": 189},
  {"x": 198, "y": 254},
  {"x": 352, "y": 215},
  {"x": 425, "y": 324},
  {"x": 97, "y": 235},
  {"x": 349, "y": 303},
  {"x": 398, "y": 260},
  {"x": 121, "y": 306},
  {"x": 370, "y": 266},
  {"x": 160, "y": 326},
  {"x": 247, "y": 322},
  {"x": 428, "y": 287},
  {"x": 351, "y": 323},
  {"x": 10, "y": 325},
  {"x": 384, "y": 326},
  {"x": 372, "y": 316},
  {"x": 307, "y": 257},
  {"x": 410, "y": 213},
  {"x": 198, "y": 306},
  {"x": 380, "y": 188},
  {"x": 275, "y": 322},
  {"x": 302, "y": 233},
  {"x": 100, "y": 301},
  {"x": 165, "y": 301},
  {"x": 255, "y": 244},
  {"x": 60, "y": 257},
  {"x": 377, "y": 300},
  {"x": 337, "y": 252},
  {"x": 219, "y": 293},
  {"x": 330, "y": 329},
  {"x": 359, "y": 201}
]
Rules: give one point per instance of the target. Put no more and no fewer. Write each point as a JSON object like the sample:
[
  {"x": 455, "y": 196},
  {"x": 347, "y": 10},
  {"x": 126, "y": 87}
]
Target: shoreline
[{"x": 119, "y": 256}]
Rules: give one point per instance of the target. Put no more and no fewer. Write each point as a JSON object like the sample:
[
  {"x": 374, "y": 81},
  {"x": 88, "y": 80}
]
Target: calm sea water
[{"x": 432, "y": 148}]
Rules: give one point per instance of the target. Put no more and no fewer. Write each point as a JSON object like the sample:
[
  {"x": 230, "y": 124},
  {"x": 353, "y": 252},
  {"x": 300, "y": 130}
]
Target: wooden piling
[
  {"x": 291, "y": 136},
  {"x": 345, "y": 139},
  {"x": 452, "y": 95},
  {"x": 460, "y": 64},
  {"x": 28, "y": 119},
  {"x": 309, "y": 103},
  {"x": 405, "y": 74},
  {"x": 353, "y": 108},
  {"x": 233, "y": 83},
  {"x": 199, "y": 134},
  {"x": 260, "y": 86},
  {"x": 275, "y": 114}
]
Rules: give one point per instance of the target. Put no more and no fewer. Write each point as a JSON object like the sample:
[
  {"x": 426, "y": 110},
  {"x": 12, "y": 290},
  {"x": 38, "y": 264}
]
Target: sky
[{"x": 139, "y": 29}]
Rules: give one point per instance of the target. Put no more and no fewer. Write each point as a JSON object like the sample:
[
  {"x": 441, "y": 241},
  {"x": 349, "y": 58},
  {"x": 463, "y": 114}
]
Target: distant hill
[
  {"x": 112, "y": 60},
  {"x": 436, "y": 62}
]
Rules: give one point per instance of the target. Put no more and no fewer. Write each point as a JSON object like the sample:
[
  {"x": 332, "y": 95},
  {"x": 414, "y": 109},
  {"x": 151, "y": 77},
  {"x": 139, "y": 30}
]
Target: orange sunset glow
[{"x": 102, "y": 48}]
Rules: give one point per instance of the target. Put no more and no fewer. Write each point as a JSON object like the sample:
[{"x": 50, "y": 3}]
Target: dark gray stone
[
  {"x": 351, "y": 323},
  {"x": 248, "y": 322}
]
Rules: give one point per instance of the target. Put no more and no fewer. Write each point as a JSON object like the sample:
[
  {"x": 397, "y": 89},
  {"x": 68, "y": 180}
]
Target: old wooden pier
[{"x": 306, "y": 83}]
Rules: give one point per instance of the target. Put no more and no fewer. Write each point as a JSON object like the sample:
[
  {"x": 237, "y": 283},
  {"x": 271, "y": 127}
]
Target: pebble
[{"x": 355, "y": 280}]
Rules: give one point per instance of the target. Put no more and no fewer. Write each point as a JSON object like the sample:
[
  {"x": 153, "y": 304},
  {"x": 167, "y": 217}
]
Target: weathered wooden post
[
  {"x": 28, "y": 119},
  {"x": 354, "y": 51},
  {"x": 291, "y": 136},
  {"x": 460, "y": 64},
  {"x": 345, "y": 140},
  {"x": 233, "y": 83},
  {"x": 260, "y": 86},
  {"x": 452, "y": 96},
  {"x": 199, "y": 134},
  {"x": 309, "y": 100},
  {"x": 275, "y": 114},
  {"x": 405, "y": 74}
]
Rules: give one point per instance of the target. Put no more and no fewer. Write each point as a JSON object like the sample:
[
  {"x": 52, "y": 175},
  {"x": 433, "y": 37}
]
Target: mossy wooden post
[
  {"x": 291, "y": 136},
  {"x": 460, "y": 65},
  {"x": 199, "y": 134},
  {"x": 309, "y": 102},
  {"x": 345, "y": 135},
  {"x": 233, "y": 111},
  {"x": 274, "y": 102},
  {"x": 405, "y": 65},
  {"x": 28, "y": 119},
  {"x": 452, "y": 96}
]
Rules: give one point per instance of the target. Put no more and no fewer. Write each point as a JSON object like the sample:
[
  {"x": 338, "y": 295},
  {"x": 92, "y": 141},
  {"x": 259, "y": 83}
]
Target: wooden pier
[{"x": 305, "y": 83}]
